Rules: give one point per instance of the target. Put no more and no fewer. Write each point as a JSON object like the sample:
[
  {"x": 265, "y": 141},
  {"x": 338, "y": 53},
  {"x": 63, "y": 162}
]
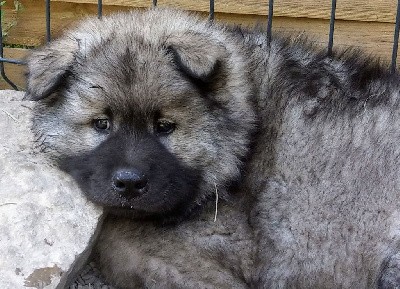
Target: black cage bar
[{"x": 393, "y": 65}]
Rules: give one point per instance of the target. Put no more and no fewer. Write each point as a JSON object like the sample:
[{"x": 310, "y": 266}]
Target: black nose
[{"x": 130, "y": 182}]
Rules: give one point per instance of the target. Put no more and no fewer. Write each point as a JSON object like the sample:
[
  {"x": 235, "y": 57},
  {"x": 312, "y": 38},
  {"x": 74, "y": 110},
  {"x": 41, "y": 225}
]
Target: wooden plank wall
[{"x": 368, "y": 24}]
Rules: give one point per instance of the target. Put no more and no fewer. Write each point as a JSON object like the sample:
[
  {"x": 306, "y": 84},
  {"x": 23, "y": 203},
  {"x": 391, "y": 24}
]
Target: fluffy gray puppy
[{"x": 224, "y": 162}]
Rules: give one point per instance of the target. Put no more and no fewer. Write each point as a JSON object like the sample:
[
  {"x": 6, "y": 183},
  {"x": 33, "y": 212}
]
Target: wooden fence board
[
  {"x": 28, "y": 25},
  {"x": 360, "y": 10},
  {"x": 16, "y": 73}
]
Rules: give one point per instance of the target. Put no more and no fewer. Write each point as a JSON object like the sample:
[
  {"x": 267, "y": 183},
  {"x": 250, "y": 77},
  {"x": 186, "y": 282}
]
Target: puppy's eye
[
  {"x": 164, "y": 127},
  {"x": 102, "y": 124}
]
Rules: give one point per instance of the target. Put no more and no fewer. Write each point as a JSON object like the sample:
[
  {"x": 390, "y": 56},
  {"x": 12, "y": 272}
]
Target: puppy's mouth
[
  {"x": 150, "y": 205},
  {"x": 150, "y": 200}
]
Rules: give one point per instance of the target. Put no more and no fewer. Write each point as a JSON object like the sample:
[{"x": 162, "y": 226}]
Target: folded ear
[
  {"x": 49, "y": 67},
  {"x": 199, "y": 58}
]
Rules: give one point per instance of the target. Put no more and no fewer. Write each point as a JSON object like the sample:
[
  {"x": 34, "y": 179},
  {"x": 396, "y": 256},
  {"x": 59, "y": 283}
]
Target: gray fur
[{"x": 301, "y": 149}]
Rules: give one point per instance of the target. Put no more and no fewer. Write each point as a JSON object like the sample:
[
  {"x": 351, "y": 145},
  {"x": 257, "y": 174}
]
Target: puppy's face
[{"x": 151, "y": 124}]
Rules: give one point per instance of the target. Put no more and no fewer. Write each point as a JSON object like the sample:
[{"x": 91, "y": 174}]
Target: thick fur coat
[{"x": 225, "y": 162}]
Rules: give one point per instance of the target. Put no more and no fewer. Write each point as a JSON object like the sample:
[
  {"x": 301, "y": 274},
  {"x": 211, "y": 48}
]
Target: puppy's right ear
[{"x": 48, "y": 68}]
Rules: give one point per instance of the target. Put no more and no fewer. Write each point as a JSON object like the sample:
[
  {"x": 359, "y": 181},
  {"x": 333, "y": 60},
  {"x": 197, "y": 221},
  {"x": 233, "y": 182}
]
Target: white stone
[{"x": 47, "y": 226}]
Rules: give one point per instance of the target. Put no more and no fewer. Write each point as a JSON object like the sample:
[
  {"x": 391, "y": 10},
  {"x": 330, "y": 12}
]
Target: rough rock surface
[{"x": 47, "y": 226}]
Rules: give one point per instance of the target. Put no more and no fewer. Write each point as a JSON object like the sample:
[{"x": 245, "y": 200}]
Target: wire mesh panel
[
  {"x": 269, "y": 24},
  {"x": 100, "y": 8},
  {"x": 48, "y": 31},
  {"x": 6, "y": 60},
  {"x": 396, "y": 39},
  {"x": 211, "y": 17},
  {"x": 331, "y": 27},
  {"x": 393, "y": 65}
]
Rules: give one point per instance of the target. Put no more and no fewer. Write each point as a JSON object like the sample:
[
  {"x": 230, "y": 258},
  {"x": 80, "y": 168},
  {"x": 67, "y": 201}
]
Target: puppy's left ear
[
  {"x": 48, "y": 68},
  {"x": 198, "y": 57}
]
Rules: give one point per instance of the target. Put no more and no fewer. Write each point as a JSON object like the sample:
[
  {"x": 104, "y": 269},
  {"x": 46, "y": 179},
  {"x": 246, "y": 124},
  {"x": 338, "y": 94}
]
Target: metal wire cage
[{"x": 393, "y": 65}]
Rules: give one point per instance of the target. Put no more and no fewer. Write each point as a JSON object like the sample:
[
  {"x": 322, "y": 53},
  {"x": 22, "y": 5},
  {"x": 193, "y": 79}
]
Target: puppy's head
[{"x": 149, "y": 112}]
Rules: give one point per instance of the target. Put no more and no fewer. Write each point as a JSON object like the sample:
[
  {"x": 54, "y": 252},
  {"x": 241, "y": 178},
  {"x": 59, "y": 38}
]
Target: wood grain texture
[
  {"x": 16, "y": 73},
  {"x": 360, "y": 10},
  {"x": 375, "y": 37},
  {"x": 28, "y": 26}
]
